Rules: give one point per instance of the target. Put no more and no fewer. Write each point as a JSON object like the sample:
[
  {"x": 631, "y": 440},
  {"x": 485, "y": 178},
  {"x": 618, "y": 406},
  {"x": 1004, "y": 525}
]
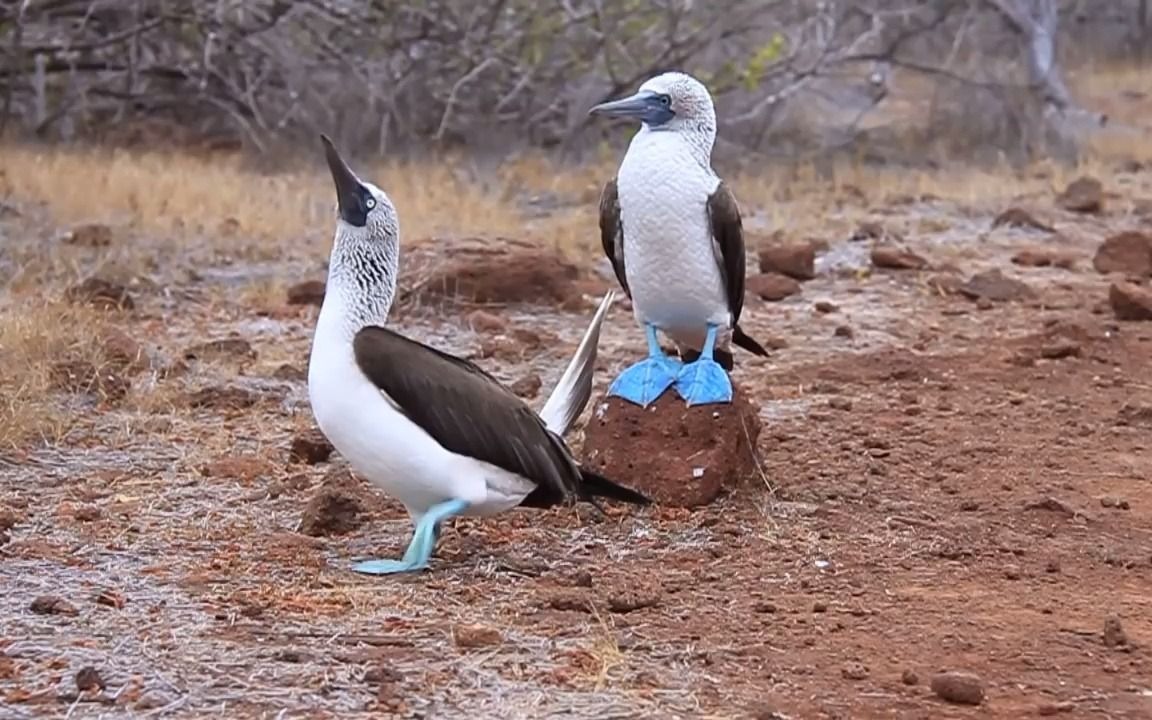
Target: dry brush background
[{"x": 948, "y": 207}]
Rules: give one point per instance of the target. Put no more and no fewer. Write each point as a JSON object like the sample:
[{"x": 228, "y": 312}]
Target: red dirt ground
[{"x": 946, "y": 485}]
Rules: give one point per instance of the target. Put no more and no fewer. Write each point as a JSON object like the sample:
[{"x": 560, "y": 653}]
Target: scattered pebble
[
  {"x": 1129, "y": 252},
  {"x": 840, "y": 403},
  {"x": 909, "y": 677},
  {"x": 88, "y": 678},
  {"x": 222, "y": 398},
  {"x": 86, "y": 513},
  {"x": 474, "y": 636},
  {"x": 309, "y": 292},
  {"x": 1083, "y": 195},
  {"x": 634, "y": 597},
  {"x": 824, "y": 307},
  {"x": 819, "y": 607},
  {"x": 52, "y": 605},
  {"x": 794, "y": 260},
  {"x": 995, "y": 286},
  {"x": 1055, "y": 708},
  {"x": 1130, "y": 301},
  {"x": 92, "y": 235},
  {"x": 1020, "y": 218},
  {"x": 895, "y": 258},
  {"x": 528, "y": 386},
  {"x": 843, "y": 331},
  {"x": 486, "y": 322},
  {"x": 772, "y": 286},
  {"x": 109, "y": 598},
  {"x": 1114, "y": 635},
  {"x": 960, "y": 688},
  {"x": 1114, "y": 502},
  {"x": 854, "y": 671},
  {"x": 311, "y": 447}
]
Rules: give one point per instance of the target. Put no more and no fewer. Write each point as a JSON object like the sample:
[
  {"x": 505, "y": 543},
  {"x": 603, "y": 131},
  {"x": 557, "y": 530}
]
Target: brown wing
[
  {"x": 612, "y": 232},
  {"x": 466, "y": 410},
  {"x": 728, "y": 239}
]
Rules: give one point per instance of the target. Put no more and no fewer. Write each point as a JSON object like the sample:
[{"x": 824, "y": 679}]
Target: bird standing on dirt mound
[
  {"x": 672, "y": 230},
  {"x": 433, "y": 430}
]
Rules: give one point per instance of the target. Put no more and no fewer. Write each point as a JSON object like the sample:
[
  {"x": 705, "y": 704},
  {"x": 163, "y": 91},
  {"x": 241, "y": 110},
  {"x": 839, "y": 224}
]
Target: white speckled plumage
[
  {"x": 366, "y": 426},
  {"x": 664, "y": 182}
]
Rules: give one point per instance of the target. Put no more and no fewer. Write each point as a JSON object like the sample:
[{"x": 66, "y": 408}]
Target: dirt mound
[
  {"x": 490, "y": 270},
  {"x": 675, "y": 454},
  {"x": 341, "y": 504}
]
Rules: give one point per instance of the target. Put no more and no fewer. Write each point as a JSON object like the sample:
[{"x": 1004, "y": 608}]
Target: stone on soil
[
  {"x": 794, "y": 260},
  {"x": 771, "y": 286},
  {"x": 1130, "y": 301},
  {"x": 960, "y": 688},
  {"x": 1083, "y": 195},
  {"x": 1129, "y": 253},
  {"x": 675, "y": 454}
]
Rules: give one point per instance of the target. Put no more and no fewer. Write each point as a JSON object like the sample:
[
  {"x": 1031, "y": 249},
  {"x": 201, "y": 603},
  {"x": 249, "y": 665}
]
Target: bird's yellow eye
[{"x": 370, "y": 203}]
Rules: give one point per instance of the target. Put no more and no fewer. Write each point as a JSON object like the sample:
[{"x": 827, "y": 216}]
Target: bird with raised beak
[
  {"x": 672, "y": 230},
  {"x": 433, "y": 430}
]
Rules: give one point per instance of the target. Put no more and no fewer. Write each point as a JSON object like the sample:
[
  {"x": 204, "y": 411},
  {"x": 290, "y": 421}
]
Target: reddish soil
[{"x": 950, "y": 483}]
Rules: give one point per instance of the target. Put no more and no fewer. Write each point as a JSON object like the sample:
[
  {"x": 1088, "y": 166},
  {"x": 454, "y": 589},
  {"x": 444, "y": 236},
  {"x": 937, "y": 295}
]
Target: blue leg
[
  {"x": 420, "y": 547},
  {"x": 647, "y": 380},
  {"x": 704, "y": 381}
]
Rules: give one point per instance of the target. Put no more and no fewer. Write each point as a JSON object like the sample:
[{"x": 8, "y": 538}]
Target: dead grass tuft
[{"x": 51, "y": 352}]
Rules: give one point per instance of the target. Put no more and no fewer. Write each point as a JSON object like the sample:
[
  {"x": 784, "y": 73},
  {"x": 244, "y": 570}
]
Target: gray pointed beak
[
  {"x": 349, "y": 192},
  {"x": 636, "y": 106}
]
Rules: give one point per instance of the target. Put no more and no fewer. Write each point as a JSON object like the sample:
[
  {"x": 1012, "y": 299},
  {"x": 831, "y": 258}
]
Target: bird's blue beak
[{"x": 647, "y": 106}]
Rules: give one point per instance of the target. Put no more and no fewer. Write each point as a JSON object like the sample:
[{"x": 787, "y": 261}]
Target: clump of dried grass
[{"x": 49, "y": 351}]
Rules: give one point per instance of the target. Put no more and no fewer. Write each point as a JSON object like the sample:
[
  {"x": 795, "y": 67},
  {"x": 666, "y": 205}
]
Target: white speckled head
[
  {"x": 691, "y": 103},
  {"x": 365, "y": 256},
  {"x": 672, "y": 101}
]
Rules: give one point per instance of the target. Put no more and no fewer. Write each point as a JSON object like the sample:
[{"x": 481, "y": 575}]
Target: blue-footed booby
[
  {"x": 433, "y": 430},
  {"x": 673, "y": 233}
]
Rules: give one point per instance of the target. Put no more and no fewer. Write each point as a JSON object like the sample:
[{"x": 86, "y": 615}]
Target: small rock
[
  {"x": 92, "y": 235},
  {"x": 497, "y": 270},
  {"x": 960, "y": 688},
  {"x": 1130, "y": 301},
  {"x": 1134, "y": 414},
  {"x": 109, "y": 598},
  {"x": 224, "y": 347},
  {"x": 824, "y": 307},
  {"x": 1038, "y": 257},
  {"x": 484, "y": 321},
  {"x": 1128, "y": 252},
  {"x": 944, "y": 284},
  {"x": 52, "y": 605},
  {"x": 527, "y": 386},
  {"x": 1060, "y": 349},
  {"x": 765, "y": 607},
  {"x": 474, "y": 636},
  {"x": 772, "y": 286},
  {"x": 222, "y": 398},
  {"x": 288, "y": 371},
  {"x": 86, "y": 513},
  {"x": 839, "y": 403},
  {"x": 895, "y": 258},
  {"x": 794, "y": 260},
  {"x": 101, "y": 293},
  {"x": 311, "y": 447},
  {"x": 854, "y": 671},
  {"x": 1012, "y": 573},
  {"x": 568, "y": 600},
  {"x": 969, "y": 506},
  {"x": 843, "y": 331},
  {"x": 1114, "y": 635},
  {"x": 291, "y": 655},
  {"x": 88, "y": 678},
  {"x": 909, "y": 677},
  {"x": 1055, "y": 708},
  {"x": 994, "y": 286},
  {"x": 121, "y": 352},
  {"x": 873, "y": 230},
  {"x": 634, "y": 597},
  {"x": 1052, "y": 566},
  {"x": 309, "y": 292},
  {"x": 1018, "y": 217},
  {"x": 1113, "y": 502},
  {"x": 819, "y": 607},
  {"x": 1083, "y": 195},
  {"x": 339, "y": 506}
]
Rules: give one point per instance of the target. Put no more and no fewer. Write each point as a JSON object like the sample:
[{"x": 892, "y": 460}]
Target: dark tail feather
[
  {"x": 739, "y": 338},
  {"x": 595, "y": 485}
]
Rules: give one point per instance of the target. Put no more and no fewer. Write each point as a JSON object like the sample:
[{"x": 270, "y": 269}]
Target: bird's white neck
[
  {"x": 696, "y": 140},
  {"x": 361, "y": 287}
]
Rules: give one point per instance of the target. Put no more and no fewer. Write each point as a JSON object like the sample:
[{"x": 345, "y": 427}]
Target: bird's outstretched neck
[{"x": 571, "y": 394}]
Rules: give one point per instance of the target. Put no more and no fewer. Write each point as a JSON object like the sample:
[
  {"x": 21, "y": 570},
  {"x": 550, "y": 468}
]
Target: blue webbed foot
[
  {"x": 704, "y": 382},
  {"x": 420, "y": 548},
  {"x": 647, "y": 380}
]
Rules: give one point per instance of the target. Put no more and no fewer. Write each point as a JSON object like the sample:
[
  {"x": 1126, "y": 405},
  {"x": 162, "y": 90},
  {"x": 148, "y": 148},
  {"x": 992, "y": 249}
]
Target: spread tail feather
[
  {"x": 594, "y": 485},
  {"x": 572, "y": 392}
]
